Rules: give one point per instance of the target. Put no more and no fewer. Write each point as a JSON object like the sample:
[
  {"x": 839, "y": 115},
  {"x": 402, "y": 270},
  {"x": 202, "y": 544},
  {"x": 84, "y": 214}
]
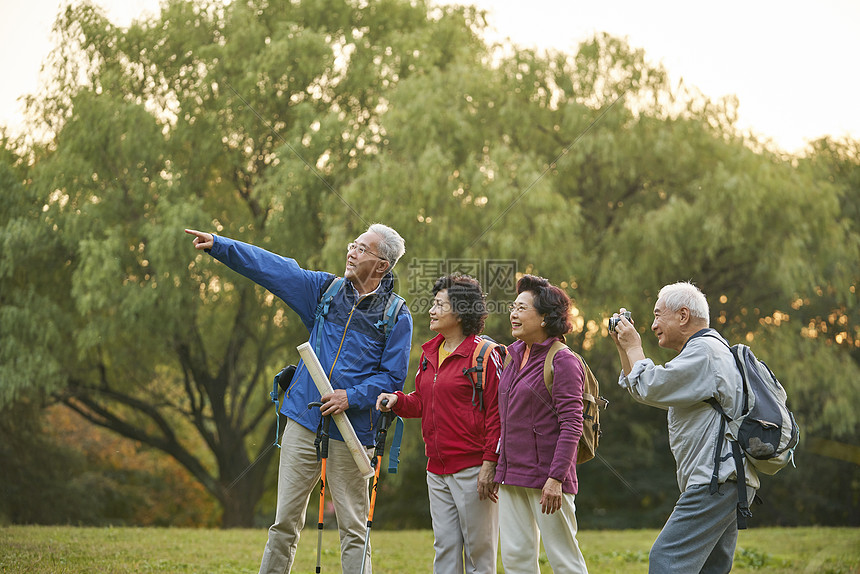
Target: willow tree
[
  {"x": 244, "y": 118},
  {"x": 592, "y": 170},
  {"x": 293, "y": 126}
]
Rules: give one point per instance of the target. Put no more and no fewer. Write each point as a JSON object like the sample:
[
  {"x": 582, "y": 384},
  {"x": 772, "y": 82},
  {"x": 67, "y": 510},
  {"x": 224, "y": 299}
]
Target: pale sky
[{"x": 793, "y": 64}]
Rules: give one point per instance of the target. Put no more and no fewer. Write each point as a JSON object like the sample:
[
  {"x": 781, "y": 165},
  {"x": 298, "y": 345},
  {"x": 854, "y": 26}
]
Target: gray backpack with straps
[{"x": 765, "y": 432}]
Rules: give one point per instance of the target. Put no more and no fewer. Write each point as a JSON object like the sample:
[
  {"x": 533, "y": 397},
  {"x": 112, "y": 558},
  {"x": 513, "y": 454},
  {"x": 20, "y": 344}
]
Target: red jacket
[{"x": 456, "y": 434}]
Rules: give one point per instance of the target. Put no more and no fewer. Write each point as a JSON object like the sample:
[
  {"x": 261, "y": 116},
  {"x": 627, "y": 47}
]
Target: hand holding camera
[
  {"x": 616, "y": 318},
  {"x": 627, "y": 340}
]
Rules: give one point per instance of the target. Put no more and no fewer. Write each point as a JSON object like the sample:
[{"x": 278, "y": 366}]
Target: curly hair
[
  {"x": 550, "y": 301},
  {"x": 467, "y": 300}
]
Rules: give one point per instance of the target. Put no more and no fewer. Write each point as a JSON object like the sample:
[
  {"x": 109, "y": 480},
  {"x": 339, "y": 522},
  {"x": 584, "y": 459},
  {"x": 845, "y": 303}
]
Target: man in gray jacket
[{"x": 701, "y": 533}]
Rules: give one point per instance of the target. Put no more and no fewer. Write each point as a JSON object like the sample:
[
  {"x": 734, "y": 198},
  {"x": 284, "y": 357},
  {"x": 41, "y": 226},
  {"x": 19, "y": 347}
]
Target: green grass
[{"x": 70, "y": 550}]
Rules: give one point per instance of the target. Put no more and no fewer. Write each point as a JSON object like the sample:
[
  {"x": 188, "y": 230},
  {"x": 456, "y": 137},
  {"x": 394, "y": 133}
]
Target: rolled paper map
[{"x": 347, "y": 432}]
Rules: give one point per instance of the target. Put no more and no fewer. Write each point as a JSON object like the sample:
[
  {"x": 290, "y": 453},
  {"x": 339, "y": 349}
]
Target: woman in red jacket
[{"x": 460, "y": 433}]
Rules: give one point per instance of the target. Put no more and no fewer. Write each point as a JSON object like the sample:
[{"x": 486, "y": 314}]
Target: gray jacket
[{"x": 703, "y": 369}]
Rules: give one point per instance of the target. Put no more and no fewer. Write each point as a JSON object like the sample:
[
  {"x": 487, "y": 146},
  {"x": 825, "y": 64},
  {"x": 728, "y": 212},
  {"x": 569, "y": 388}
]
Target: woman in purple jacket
[{"x": 536, "y": 473}]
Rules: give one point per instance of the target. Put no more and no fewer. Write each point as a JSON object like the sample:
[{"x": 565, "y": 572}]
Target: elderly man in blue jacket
[{"x": 362, "y": 361}]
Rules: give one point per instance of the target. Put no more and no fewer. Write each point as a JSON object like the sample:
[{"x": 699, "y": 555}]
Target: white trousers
[
  {"x": 298, "y": 475},
  {"x": 465, "y": 528},
  {"x": 522, "y": 526}
]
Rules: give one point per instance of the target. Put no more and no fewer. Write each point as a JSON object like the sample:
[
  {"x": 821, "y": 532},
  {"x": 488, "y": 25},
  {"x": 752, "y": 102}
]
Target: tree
[
  {"x": 226, "y": 117},
  {"x": 294, "y": 127},
  {"x": 591, "y": 170}
]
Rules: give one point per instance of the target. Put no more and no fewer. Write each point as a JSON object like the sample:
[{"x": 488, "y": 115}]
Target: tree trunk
[{"x": 238, "y": 505}]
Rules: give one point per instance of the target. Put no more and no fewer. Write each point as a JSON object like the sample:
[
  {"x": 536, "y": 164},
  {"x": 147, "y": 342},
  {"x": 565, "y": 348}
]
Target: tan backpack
[{"x": 592, "y": 402}]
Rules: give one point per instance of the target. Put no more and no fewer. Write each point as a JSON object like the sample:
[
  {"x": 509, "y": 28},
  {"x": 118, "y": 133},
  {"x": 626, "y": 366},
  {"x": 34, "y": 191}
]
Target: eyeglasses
[
  {"x": 518, "y": 307},
  {"x": 361, "y": 250},
  {"x": 444, "y": 306}
]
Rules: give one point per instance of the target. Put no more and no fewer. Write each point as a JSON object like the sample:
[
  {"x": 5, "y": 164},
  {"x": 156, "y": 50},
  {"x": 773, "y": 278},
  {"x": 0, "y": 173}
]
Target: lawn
[{"x": 71, "y": 550}]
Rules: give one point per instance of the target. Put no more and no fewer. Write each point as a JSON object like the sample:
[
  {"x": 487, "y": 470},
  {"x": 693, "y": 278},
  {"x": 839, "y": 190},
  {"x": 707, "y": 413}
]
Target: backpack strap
[
  {"x": 282, "y": 381},
  {"x": 322, "y": 308},
  {"x": 736, "y": 351},
  {"x": 718, "y": 447},
  {"x": 394, "y": 450},
  {"x": 479, "y": 380},
  {"x": 743, "y": 509},
  {"x": 274, "y": 397},
  {"x": 547, "y": 363},
  {"x": 392, "y": 309}
]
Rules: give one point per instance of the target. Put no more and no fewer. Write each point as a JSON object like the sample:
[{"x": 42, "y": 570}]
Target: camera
[{"x": 613, "y": 321}]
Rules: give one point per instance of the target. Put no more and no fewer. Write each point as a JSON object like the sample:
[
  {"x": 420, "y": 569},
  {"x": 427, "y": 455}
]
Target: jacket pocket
[{"x": 544, "y": 448}]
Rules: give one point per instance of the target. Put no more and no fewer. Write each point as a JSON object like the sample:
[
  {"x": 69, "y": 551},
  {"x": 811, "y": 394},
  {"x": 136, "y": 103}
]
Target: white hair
[
  {"x": 391, "y": 246},
  {"x": 685, "y": 294}
]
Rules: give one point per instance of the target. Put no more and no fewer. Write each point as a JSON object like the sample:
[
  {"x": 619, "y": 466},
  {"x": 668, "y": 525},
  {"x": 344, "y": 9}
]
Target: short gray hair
[
  {"x": 391, "y": 246},
  {"x": 685, "y": 294}
]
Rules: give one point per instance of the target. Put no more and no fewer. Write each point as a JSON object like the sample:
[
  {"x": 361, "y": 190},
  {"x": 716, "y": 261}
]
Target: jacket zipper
[
  {"x": 340, "y": 347},
  {"x": 433, "y": 410},
  {"x": 517, "y": 378},
  {"x": 343, "y": 338},
  {"x": 435, "y": 422}
]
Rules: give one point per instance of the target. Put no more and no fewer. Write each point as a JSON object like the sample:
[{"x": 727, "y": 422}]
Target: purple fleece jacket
[{"x": 540, "y": 434}]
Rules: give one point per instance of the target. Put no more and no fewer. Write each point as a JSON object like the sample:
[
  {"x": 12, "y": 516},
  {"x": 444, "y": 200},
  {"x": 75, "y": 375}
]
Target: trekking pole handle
[{"x": 325, "y": 435}]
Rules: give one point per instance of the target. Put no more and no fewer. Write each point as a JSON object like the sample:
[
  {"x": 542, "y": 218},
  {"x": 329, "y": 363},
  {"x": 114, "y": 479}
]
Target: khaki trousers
[{"x": 298, "y": 475}]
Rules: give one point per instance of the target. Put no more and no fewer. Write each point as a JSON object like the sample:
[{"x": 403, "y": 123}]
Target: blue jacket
[{"x": 352, "y": 350}]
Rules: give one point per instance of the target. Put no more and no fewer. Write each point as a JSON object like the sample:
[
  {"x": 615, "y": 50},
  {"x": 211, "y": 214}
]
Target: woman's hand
[
  {"x": 551, "y": 496},
  {"x": 392, "y": 400},
  {"x": 487, "y": 487}
]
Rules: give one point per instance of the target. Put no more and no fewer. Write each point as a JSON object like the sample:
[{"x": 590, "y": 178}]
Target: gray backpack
[{"x": 765, "y": 431}]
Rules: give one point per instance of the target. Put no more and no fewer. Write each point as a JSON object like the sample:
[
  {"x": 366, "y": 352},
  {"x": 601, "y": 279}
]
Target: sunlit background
[{"x": 791, "y": 64}]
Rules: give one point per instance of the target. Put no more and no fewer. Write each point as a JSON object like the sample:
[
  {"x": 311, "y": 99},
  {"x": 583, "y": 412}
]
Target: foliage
[
  {"x": 58, "y": 469},
  {"x": 294, "y": 126},
  {"x": 38, "y": 479},
  {"x": 180, "y": 121}
]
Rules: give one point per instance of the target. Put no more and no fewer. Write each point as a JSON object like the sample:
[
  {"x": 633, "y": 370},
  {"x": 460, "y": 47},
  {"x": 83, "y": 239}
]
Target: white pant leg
[
  {"x": 520, "y": 537},
  {"x": 523, "y": 525},
  {"x": 558, "y": 531},
  {"x": 479, "y": 522}
]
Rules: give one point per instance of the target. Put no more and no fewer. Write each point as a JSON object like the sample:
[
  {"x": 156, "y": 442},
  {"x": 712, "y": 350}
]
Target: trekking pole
[
  {"x": 321, "y": 444},
  {"x": 381, "y": 430}
]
